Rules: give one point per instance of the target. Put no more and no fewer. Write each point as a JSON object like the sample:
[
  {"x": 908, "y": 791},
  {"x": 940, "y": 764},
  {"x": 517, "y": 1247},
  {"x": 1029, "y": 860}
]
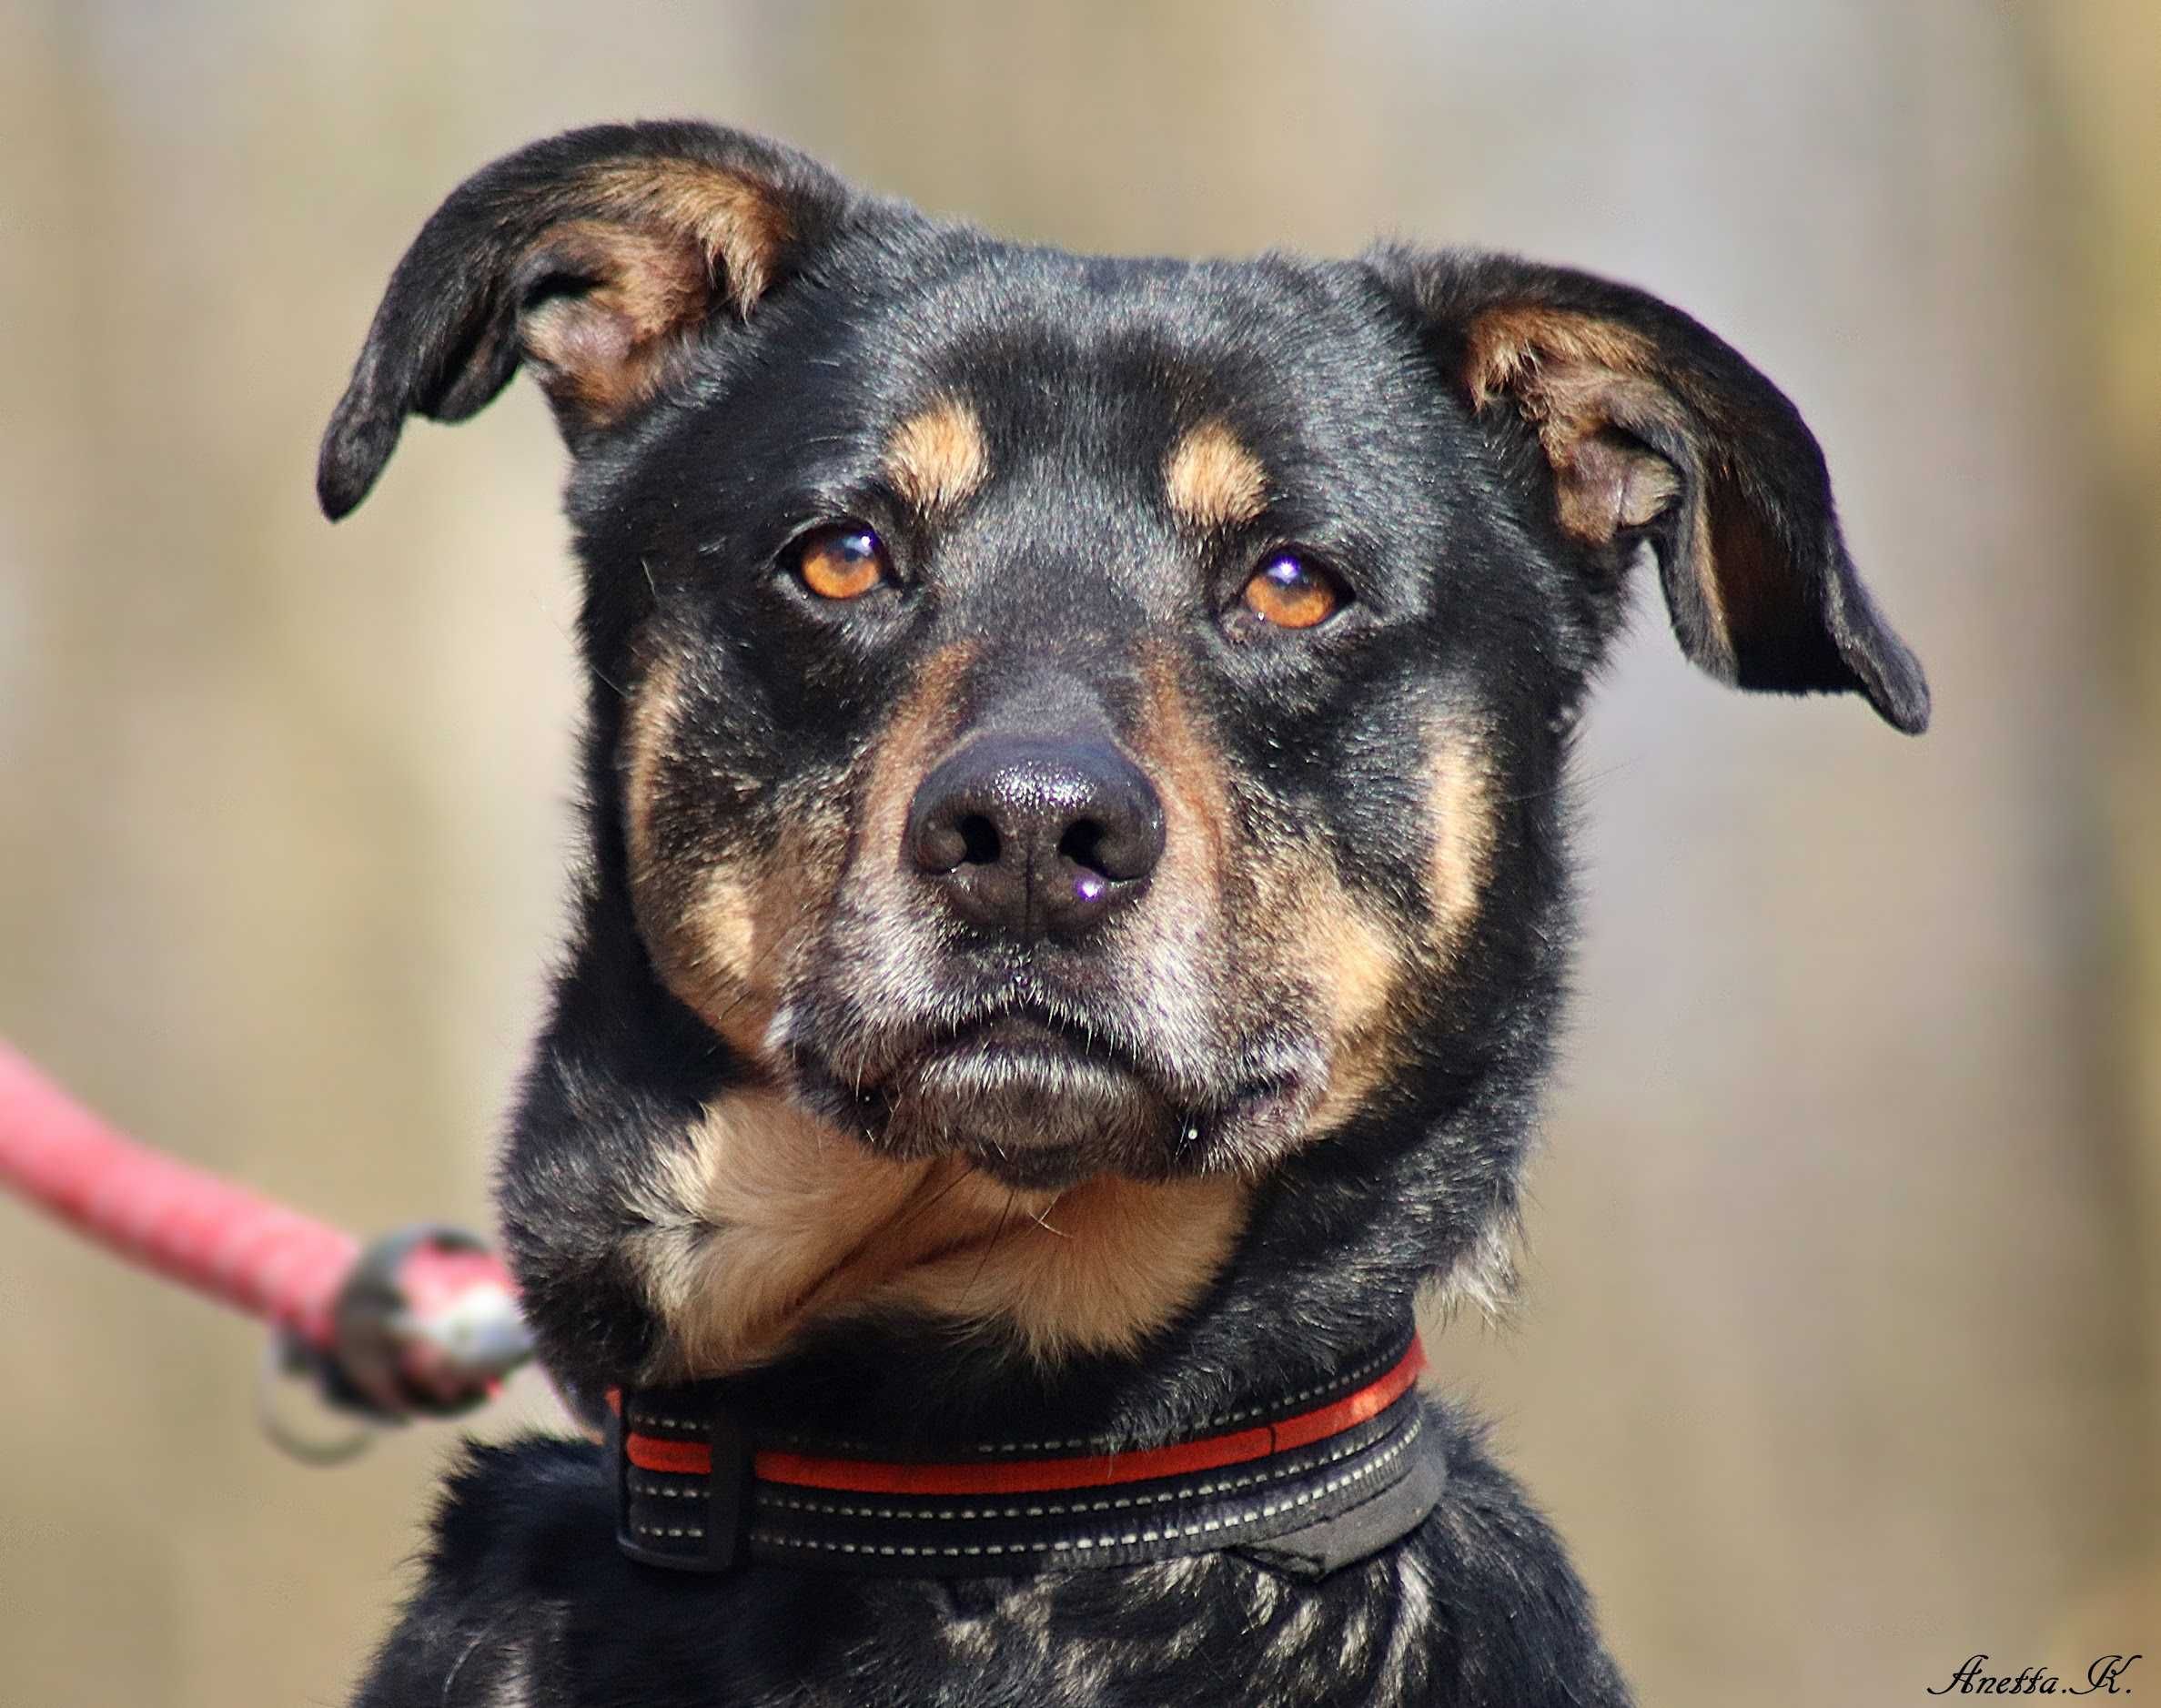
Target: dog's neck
[{"x": 1310, "y": 1279}]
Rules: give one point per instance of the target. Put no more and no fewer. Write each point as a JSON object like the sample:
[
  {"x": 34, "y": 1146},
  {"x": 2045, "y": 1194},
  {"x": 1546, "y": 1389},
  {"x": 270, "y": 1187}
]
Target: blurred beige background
[{"x": 1837, "y": 1360}]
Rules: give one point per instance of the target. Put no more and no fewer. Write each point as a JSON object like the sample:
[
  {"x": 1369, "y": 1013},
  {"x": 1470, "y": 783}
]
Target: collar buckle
[{"x": 696, "y": 1523}]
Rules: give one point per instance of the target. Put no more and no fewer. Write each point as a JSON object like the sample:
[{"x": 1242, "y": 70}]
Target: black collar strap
[{"x": 1326, "y": 1476}]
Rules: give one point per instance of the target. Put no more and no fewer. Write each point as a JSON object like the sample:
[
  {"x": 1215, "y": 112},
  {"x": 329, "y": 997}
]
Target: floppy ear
[
  {"x": 597, "y": 256},
  {"x": 1656, "y": 429}
]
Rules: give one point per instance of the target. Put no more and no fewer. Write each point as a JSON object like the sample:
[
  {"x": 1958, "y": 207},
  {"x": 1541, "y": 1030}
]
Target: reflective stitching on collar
[{"x": 903, "y": 1550}]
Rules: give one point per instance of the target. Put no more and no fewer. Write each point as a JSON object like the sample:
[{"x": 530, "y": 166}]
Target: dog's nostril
[
  {"x": 1083, "y": 845},
  {"x": 1118, "y": 846},
  {"x": 980, "y": 842}
]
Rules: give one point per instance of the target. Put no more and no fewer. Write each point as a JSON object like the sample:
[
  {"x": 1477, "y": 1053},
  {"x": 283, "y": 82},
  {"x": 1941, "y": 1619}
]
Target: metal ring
[{"x": 281, "y": 1367}]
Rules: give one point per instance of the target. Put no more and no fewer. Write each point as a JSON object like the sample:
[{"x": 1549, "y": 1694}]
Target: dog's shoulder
[
  {"x": 1513, "y": 1621},
  {"x": 525, "y": 1601},
  {"x": 484, "y": 1624}
]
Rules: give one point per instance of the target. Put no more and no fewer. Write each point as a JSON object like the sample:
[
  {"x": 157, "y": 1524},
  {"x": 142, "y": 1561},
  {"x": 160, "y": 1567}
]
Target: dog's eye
[
  {"x": 844, "y": 561},
  {"x": 1289, "y": 591}
]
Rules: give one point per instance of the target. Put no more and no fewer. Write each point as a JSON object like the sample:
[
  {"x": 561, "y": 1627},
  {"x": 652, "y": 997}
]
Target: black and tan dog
[{"x": 1074, "y": 920}]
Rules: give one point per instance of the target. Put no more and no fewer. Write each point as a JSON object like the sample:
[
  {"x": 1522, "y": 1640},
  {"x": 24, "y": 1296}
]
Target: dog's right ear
[{"x": 599, "y": 257}]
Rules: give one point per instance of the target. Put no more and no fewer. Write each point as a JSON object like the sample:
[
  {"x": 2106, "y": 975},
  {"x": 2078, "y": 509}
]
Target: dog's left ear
[
  {"x": 1655, "y": 429},
  {"x": 597, "y": 257}
]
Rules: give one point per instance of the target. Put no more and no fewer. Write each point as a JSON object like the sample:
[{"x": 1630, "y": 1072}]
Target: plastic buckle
[
  {"x": 725, "y": 1507},
  {"x": 728, "y": 1489}
]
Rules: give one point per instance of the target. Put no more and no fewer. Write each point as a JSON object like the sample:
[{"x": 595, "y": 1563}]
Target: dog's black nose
[{"x": 1036, "y": 836}]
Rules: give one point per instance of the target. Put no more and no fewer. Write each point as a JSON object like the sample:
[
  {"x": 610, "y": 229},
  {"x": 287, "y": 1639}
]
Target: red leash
[{"x": 422, "y": 1321}]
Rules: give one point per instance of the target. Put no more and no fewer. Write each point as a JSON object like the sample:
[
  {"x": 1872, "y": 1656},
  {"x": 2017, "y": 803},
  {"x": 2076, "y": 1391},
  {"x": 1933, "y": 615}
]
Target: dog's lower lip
[
  {"x": 1023, "y": 1033},
  {"x": 1023, "y": 1044},
  {"x": 1013, "y": 1028},
  {"x": 1012, "y": 1038}
]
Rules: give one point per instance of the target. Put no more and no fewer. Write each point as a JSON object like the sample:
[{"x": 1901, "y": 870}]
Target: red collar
[{"x": 1253, "y": 1476}]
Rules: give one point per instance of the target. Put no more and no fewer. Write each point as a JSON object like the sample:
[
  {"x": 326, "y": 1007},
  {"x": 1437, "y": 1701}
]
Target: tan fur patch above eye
[
  {"x": 937, "y": 458},
  {"x": 1212, "y": 480},
  {"x": 765, "y": 1220}
]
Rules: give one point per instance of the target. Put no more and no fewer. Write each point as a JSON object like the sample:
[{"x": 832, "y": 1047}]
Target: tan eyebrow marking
[
  {"x": 1212, "y": 480},
  {"x": 936, "y": 458}
]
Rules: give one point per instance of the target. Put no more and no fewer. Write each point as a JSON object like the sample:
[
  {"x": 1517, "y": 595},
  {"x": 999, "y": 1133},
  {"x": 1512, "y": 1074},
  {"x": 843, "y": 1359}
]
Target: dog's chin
[
  {"x": 1025, "y": 1105},
  {"x": 1032, "y": 1116}
]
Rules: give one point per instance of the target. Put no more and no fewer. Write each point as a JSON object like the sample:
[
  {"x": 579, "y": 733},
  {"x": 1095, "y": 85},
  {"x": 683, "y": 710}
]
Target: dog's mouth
[{"x": 1041, "y": 1099}]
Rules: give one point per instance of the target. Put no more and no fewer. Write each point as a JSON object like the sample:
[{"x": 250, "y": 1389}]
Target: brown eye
[
  {"x": 842, "y": 563},
  {"x": 1291, "y": 593}
]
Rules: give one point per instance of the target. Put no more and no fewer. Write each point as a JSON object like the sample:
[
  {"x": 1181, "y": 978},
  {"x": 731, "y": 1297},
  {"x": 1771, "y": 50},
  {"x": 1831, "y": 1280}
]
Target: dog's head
[{"x": 1096, "y": 717}]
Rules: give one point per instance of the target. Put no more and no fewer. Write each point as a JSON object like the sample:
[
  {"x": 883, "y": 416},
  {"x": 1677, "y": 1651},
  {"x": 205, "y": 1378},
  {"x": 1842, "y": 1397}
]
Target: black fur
[{"x": 1345, "y": 381}]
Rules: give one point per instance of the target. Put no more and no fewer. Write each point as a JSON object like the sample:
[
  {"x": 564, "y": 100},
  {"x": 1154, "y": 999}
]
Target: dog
[{"x": 1073, "y": 928}]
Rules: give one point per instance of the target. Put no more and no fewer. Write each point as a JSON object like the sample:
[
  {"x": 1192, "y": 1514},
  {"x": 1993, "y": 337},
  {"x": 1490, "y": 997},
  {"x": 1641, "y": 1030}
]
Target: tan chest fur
[{"x": 765, "y": 1220}]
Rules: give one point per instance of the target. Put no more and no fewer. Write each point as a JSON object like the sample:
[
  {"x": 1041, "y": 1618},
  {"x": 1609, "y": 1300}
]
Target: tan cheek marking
[
  {"x": 700, "y": 924},
  {"x": 723, "y": 939},
  {"x": 1361, "y": 964},
  {"x": 765, "y": 1220},
  {"x": 1461, "y": 815},
  {"x": 724, "y": 925},
  {"x": 901, "y": 753},
  {"x": 718, "y": 933},
  {"x": 649, "y": 724},
  {"x": 1189, "y": 773},
  {"x": 727, "y": 937},
  {"x": 1364, "y": 962},
  {"x": 1294, "y": 924},
  {"x": 1212, "y": 480},
  {"x": 937, "y": 460}
]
